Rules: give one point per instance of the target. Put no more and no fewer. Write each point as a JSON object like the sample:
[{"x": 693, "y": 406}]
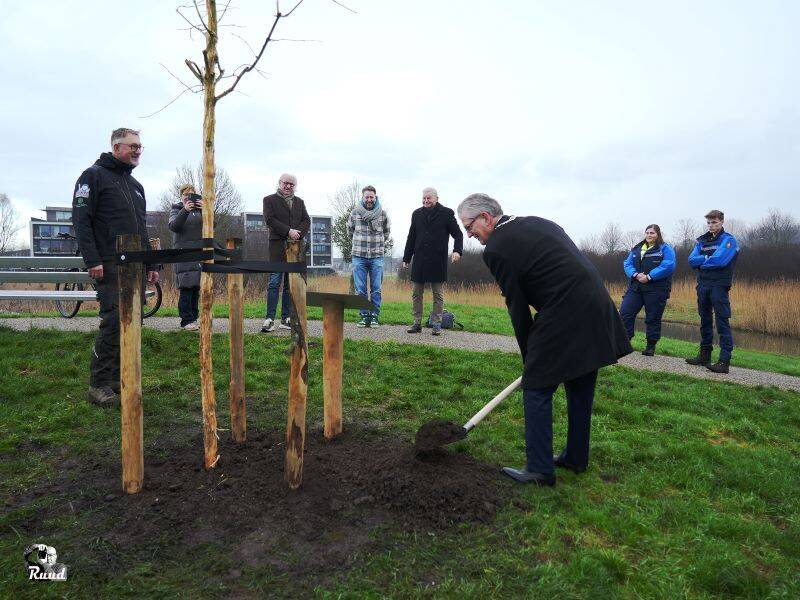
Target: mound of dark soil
[
  {"x": 434, "y": 434},
  {"x": 353, "y": 487}
]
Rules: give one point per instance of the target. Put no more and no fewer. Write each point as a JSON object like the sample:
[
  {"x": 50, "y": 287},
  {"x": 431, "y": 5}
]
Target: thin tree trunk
[{"x": 206, "y": 282}]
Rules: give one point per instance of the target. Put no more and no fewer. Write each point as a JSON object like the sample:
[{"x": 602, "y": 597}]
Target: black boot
[
  {"x": 650, "y": 350},
  {"x": 721, "y": 366},
  {"x": 703, "y": 357}
]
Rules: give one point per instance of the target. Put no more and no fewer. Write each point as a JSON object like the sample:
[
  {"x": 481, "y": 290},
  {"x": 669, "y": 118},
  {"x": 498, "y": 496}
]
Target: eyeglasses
[
  {"x": 468, "y": 228},
  {"x": 134, "y": 147},
  {"x": 288, "y": 183}
]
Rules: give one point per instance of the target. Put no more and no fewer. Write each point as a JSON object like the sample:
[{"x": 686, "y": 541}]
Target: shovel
[{"x": 439, "y": 432}]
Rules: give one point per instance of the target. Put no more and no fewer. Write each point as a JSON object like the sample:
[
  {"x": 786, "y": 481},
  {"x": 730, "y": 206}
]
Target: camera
[{"x": 197, "y": 199}]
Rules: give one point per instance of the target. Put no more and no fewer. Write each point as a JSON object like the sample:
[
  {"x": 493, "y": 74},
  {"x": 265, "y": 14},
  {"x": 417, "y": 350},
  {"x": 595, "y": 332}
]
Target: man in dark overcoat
[
  {"x": 286, "y": 218},
  {"x": 576, "y": 330},
  {"x": 432, "y": 225}
]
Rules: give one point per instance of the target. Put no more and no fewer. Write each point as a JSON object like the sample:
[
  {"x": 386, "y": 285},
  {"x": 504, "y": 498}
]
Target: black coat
[
  {"x": 187, "y": 228},
  {"x": 427, "y": 243},
  {"x": 280, "y": 220},
  {"x": 107, "y": 202},
  {"x": 577, "y": 328}
]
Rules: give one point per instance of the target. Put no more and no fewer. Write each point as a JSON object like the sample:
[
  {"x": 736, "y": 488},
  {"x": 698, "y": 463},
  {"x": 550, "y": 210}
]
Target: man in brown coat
[{"x": 287, "y": 219}]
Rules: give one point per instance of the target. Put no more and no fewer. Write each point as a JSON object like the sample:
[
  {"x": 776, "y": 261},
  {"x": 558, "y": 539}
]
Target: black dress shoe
[
  {"x": 530, "y": 477},
  {"x": 415, "y": 328},
  {"x": 560, "y": 462}
]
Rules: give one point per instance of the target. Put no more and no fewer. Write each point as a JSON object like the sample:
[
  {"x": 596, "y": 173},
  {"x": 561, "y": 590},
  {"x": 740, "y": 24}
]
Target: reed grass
[{"x": 766, "y": 307}]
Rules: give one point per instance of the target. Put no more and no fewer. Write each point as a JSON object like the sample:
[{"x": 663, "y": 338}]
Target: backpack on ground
[{"x": 448, "y": 321}]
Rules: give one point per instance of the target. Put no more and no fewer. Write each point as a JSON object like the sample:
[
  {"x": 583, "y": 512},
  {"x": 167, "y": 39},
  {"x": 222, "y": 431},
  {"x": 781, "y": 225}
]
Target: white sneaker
[
  {"x": 286, "y": 323},
  {"x": 193, "y": 326},
  {"x": 269, "y": 325}
]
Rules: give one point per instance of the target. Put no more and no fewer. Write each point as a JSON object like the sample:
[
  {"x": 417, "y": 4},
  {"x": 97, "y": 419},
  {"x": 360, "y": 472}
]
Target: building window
[{"x": 63, "y": 215}]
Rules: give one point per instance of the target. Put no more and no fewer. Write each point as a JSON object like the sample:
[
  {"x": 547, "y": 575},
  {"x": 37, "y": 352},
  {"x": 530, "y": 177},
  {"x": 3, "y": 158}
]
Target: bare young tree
[
  {"x": 341, "y": 204},
  {"x": 775, "y": 229},
  {"x": 686, "y": 232},
  {"x": 611, "y": 239},
  {"x": 209, "y": 75},
  {"x": 9, "y": 224},
  {"x": 631, "y": 238}
]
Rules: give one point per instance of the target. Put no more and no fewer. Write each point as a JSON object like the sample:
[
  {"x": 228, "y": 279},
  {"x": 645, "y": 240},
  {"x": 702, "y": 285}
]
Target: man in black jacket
[
  {"x": 286, "y": 218},
  {"x": 432, "y": 225},
  {"x": 577, "y": 328},
  {"x": 108, "y": 202}
]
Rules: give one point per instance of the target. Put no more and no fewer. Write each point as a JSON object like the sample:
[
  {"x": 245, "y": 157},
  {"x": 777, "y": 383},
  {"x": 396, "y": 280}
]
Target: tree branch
[
  {"x": 199, "y": 16},
  {"x": 191, "y": 25},
  {"x": 194, "y": 69},
  {"x": 258, "y": 56},
  {"x": 294, "y": 8},
  {"x": 171, "y": 102},
  {"x": 176, "y": 77},
  {"x": 345, "y": 7}
]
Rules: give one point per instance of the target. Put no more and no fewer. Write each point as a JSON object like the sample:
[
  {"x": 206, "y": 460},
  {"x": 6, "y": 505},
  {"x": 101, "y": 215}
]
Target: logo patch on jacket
[{"x": 82, "y": 191}]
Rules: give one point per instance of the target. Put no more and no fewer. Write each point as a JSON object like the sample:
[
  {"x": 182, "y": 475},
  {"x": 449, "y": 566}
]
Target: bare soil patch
[{"x": 357, "y": 491}]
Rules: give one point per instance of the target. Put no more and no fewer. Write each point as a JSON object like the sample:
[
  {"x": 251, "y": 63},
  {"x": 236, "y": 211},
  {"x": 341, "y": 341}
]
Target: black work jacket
[
  {"x": 427, "y": 243},
  {"x": 577, "y": 328},
  {"x": 107, "y": 202}
]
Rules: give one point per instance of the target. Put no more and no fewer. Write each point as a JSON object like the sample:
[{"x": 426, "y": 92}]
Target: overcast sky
[{"x": 582, "y": 112}]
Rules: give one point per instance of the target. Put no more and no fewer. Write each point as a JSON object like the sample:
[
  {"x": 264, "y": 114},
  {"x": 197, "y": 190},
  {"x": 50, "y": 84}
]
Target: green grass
[
  {"x": 692, "y": 490},
  {"x": 485, "y": 319}
]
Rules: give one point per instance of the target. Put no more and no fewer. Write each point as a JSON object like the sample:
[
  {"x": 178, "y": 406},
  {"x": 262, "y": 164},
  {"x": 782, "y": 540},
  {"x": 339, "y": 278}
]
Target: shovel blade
[{"x": 437, "y": 433}]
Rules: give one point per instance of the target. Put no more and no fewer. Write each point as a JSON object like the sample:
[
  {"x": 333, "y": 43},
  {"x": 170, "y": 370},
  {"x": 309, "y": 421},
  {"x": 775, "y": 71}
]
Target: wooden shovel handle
[{"x": 492, "y": 404}]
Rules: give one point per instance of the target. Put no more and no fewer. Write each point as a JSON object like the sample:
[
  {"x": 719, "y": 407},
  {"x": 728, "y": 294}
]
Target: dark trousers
[
  {"x": 104, "y": 366},
  {"x": 654, "y": 303},
  {"x": 272, "y": 296},
  {"x": 538, "y": 405},
  {"x": 188, "y": 305},
  {"x": 713, "y": 300}
]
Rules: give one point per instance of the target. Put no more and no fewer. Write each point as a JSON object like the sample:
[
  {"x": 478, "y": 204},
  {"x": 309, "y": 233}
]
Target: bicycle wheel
[
  {"x": 69, "y": 308},
  {"x": 152, "y": 303}
]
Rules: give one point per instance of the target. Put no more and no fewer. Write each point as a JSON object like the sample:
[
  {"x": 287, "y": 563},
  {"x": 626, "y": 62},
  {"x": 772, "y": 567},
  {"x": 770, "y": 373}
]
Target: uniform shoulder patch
[{"x": 82, "y": 191}]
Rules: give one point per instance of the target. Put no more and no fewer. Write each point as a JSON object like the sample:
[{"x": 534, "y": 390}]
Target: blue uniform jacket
[
  {"x": 658, "y": 262},
  {"x": 714, "y": 258}
]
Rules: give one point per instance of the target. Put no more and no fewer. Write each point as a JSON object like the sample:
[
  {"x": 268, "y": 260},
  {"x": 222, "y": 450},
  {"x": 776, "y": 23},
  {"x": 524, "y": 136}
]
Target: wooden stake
[
  {"x": 129, "y": 278},
  {"x": 332, "y": 362},
  {"x": 236, "y": 328},
  {"x": 298, "y": 376}
]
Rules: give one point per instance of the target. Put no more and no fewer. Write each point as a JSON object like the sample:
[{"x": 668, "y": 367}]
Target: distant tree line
[{"x": 770, "y": 249}]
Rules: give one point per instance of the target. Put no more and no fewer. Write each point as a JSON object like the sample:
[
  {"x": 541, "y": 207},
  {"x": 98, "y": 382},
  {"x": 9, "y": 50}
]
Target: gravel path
[{"x": 480, "y": 342}]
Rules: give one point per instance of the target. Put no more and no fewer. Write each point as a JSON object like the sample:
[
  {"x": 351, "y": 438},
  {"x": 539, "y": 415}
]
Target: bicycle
[{"x": 153, "y": 295}]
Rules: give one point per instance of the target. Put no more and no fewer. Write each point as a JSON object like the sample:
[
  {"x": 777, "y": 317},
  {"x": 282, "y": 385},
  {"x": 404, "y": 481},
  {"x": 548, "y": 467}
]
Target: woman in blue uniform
[{"x": 649, "y": 267}]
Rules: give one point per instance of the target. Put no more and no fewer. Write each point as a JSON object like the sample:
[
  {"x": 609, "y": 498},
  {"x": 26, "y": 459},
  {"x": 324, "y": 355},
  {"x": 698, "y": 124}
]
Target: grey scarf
[{"x": 370, "y": 216}]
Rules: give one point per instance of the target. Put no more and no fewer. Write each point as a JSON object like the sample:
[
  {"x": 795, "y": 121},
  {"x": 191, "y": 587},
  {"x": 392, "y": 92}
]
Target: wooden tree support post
[
  {"x": 236, "y": 328},
  {"x": 130, "y": 278},
  {"x": 298, "y": 376},
  {"x": 332, "y": 360}
]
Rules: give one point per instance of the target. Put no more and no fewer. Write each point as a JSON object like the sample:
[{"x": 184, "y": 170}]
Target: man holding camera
[{"x": 108, "y": 202}]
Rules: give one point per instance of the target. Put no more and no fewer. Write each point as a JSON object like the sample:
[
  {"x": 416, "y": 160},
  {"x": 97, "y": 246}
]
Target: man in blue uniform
[{"x": 714, "y": 258}]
